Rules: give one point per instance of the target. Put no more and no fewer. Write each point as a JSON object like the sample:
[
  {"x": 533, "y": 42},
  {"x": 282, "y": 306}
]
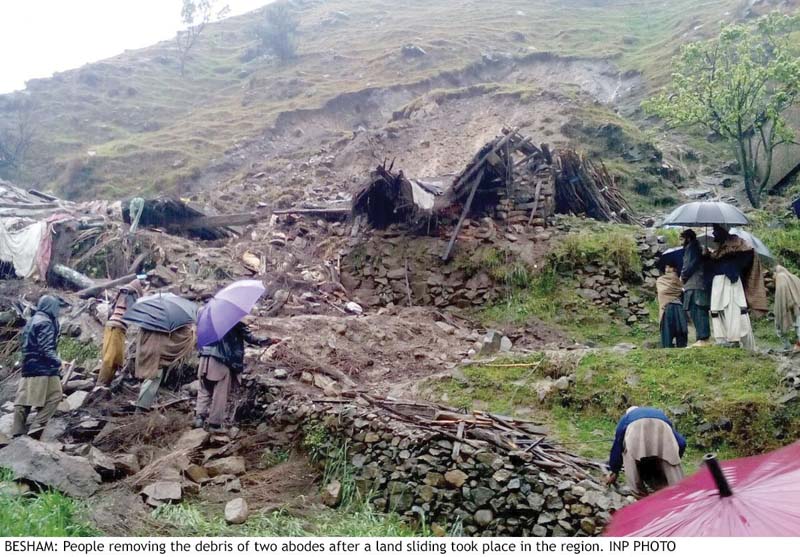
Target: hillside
[{"x": 133, "y": 124}]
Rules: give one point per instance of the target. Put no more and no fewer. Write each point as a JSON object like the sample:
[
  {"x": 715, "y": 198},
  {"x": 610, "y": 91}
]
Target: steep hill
[{"x": 133, "y": 124}]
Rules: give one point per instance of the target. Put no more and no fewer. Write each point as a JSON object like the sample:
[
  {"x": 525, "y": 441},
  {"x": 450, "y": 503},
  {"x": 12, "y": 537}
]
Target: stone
[
  {"x": 562, "y": 383},
  {"x": 14, "y": 489},
  {"x": 192, "y": 440},
  {"x": 501, "y": 476},
  {"x": 280, "y": 373},
  {"x": 353, "y": 308},
  {"x": 483, "y": 517},
  {"x": 128, "y": 464},
  {"x": 482, "y": 495},
  {"x": 455, "y": 478},
  {"x": 491, "y": 343},
  {"x": 446, "y": 328},
  {"x": 535, "y": 501},
  {"x": 102, "y": 462},
  {"x": 232, "y": 465},
  {"x": 588, "y": 525},
  {"x": 76, "y": 400},
  {"x": 332, "y": 494},
  {"x": 371, "y": 437},
  {"x": 159, "y": 493},
  {"x": 545, "y": 518},
  {"x": 539, "y": 531},
  {"x": 34, "y": 461},
  {"x": 793, "y": 397},
  {"x": 506, "y": 344},
  {"x": 236, "y": 511},
  {"x": 197, "y": 474},
  {"x": 434, "y": 479}
]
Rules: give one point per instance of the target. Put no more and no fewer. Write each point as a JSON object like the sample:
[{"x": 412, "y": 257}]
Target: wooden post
[{"x": 464, "y": 213}]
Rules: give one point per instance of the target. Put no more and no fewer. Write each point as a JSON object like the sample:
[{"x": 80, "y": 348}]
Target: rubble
[
  {"x": 489, "y": 472},
  {"x": 233, "y": 465},
  {"x": 34, "y": 461},
  {"x": 162, "y": 492},
  {"x": 332, "y": 494}
]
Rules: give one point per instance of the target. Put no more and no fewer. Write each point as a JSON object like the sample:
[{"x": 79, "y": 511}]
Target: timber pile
[
  {"x": 494, "y": 475},
  {"x": 585, "y": 188}
]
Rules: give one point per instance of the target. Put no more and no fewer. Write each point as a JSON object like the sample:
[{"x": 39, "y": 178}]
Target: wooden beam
[
  {"x": 481, "y": 162},
  {"x": 220, "y": 221},
  {"x": 464, "y": 213},
  {"x": 96, "y": 289}
]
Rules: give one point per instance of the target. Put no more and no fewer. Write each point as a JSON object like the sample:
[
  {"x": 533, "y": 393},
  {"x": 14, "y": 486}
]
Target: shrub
[{"x": 278, "y": 31}]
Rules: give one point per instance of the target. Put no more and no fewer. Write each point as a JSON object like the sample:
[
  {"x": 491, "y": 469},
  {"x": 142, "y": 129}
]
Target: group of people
[
  {"x": 718, "y": 290},
  {"x": 40, "y": 387}
]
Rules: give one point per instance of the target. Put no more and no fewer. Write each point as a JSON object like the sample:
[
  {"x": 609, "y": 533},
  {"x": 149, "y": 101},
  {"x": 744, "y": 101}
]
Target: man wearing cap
[{"x": 696, "y": 298}]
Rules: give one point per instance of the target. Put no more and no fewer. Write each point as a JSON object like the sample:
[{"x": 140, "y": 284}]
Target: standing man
[
  {"x": 787, "y": 305},
  {"x": 737, "y": 289},
  {"x": 220, "y": 364},
  {"x": 649, "y": 448},
  {"x": 114, "y": 332},
  {"x": 672, "y": 317},
  {"x": 156, "y": 351},
  {"x": 40, "y": 385},
  {"x": 696, "y": 298}
]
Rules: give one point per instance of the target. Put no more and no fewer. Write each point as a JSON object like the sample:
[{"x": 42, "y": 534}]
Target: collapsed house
[{"x": 510, "y": 177}]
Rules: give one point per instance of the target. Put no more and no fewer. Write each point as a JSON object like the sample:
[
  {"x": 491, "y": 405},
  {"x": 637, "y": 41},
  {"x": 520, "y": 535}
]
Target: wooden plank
[
  {"x": 535, "y": 201},
  {"x": 96, "y": 289},
  {"x": 220, "y": 221},
  {"x": 457, "y": 444},
  {"x": 480, "y": 163},
  {"x": 464, "y": 213}
]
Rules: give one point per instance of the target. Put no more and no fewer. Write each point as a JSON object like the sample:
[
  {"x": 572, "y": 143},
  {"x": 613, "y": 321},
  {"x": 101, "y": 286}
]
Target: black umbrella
[
  {"x": 672, "y": 257},
  {"x": 706, "y": 213},
  {"x": 161, "y": 312}
]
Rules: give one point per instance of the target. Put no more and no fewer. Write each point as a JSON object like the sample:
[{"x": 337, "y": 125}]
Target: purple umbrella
[{"x": 226, "y": 309}]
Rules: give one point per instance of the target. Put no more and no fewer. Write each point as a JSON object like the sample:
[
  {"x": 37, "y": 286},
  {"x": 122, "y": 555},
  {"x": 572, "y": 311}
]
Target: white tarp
[
  {"x": 21, "y": 247},
  {"x": 422, "y": 197}
]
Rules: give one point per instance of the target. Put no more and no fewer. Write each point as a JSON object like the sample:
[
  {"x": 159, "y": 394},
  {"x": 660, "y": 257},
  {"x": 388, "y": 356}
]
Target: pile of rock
[{"x": 473, "y": 486}]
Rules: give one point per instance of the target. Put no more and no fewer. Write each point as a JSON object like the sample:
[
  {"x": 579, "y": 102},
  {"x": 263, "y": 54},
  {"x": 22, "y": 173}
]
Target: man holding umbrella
[
  {"x": 737, "y": 289},
  {"x": 221, "y": 336},
  {"x": 166, "y": 337}
]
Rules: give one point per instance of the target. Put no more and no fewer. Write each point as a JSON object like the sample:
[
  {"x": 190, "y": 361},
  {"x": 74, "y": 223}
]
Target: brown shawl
[
  {"x": 668, "y": 288},
  {"x": 154, "y": 350},
  {"x": 752, "y": 278}
]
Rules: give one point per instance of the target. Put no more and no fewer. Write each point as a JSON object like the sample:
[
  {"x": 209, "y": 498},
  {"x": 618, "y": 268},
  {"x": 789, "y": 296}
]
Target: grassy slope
[
  {"x": 150, "y": 129},
  {"x": 694, "y": 386}
]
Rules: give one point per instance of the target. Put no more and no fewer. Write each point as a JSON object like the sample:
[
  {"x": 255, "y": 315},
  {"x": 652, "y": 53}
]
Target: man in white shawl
[{"x": 787, "y": 305}]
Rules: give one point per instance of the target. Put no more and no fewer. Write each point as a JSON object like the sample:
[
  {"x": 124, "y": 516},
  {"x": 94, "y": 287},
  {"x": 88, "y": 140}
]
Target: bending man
[
  {"x": 647, "y": 446},
  {"x": 114, "y": 332},
  {"x": 156, "y": 351}
]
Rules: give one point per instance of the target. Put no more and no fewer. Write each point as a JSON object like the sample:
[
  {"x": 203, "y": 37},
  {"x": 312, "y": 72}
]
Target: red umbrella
[{"x": 754, "y": 496}]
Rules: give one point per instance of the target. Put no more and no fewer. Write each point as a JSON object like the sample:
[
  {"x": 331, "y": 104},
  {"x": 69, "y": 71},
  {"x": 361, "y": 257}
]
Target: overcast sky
[{"x": 40, "y": 37}]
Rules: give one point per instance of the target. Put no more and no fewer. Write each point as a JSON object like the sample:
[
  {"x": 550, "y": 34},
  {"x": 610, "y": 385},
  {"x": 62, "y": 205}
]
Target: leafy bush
[
  {"x": 73, "y": 349},
  {"x": 611, "y": 247},
  {"x": 278, "y": 31}
]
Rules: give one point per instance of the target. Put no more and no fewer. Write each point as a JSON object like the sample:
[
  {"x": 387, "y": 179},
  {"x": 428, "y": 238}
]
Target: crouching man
[
  {"x": 649, "y": 448},
  {"x": 40, "y": 385}
]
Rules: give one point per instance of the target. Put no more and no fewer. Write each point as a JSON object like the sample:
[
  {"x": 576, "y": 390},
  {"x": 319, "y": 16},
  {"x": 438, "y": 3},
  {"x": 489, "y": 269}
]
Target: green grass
[
  {"x": 48, "y": 514},
  {"x": 612, "y": 245},
  {"x": 553, "y": 299},
  {"x": 360, "y": 520},
  {"x": 73, "y": 349},
  {"x": 695, "y": 386}
]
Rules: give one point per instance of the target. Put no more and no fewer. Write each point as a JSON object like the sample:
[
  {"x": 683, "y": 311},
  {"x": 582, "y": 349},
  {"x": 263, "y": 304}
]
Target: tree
[
  {"x": 17, "y": 137},
  {"x": 195, "y": 15},
  {"x": 278, "y": 31},
  {"x": 739, "y": 85}
]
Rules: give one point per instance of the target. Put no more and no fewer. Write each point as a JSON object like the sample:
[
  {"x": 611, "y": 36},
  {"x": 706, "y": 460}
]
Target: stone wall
[{"x": 475, "y": 489}]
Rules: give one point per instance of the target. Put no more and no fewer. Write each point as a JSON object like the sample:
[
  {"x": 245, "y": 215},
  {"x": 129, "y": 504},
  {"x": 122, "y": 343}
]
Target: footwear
[
  {"x": 701, "y": 343},
  {"x": 198, "y": 422}
]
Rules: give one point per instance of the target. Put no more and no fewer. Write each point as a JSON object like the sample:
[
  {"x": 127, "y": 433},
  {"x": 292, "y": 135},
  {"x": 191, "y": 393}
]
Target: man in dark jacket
[
  {"x": 40, "y": 385},
  {"x": 220, "y": 363},
  {"x": 696, "y": 297}
]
